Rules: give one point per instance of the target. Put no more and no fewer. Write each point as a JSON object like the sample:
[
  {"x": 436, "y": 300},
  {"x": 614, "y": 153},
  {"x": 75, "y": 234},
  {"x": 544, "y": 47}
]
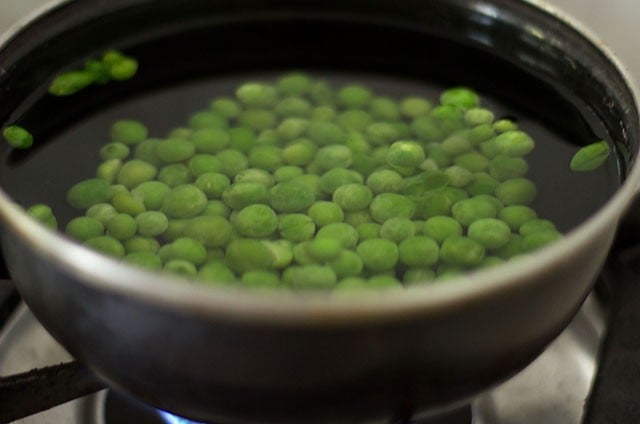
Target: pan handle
[
  {"x": 25, "y": 394},
  {"x": 614, "y": 395}
]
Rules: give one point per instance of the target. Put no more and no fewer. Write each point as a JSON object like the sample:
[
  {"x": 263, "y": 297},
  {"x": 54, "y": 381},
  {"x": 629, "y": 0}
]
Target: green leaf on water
[{"x": 590, "y": 157}]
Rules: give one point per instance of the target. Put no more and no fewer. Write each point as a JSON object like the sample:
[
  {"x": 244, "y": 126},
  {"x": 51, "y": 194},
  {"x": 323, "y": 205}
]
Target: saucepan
[{"x": 223, "y": 355}]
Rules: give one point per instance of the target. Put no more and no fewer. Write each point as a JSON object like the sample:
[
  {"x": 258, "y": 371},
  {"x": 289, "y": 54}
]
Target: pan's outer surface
[{"x": 213, "y": 354}]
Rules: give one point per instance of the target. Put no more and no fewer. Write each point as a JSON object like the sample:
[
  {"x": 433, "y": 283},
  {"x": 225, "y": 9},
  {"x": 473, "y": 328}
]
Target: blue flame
[{"x": 174, "y": 419}]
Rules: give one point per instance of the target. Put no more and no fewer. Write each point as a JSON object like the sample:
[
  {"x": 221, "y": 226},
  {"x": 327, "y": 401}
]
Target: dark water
[{"x": 45, "y": 173}]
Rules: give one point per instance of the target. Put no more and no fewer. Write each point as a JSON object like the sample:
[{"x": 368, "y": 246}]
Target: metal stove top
[{"x": 552, "y": 390}]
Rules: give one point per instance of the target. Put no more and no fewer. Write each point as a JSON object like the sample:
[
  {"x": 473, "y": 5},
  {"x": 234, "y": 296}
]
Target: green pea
[
  {"x": 291, "y": 196},
  {"x": 300, "y": 152},
  {"x": 378, "y": 254},
  {"x": 287, "y": 173},
  {"x": 385, "y": 181},
  {"x": 108, "y": 170},
  {"x": 514, "y": 143},
  {"x": 243, "y": 194},
  {"x": 480, "y": 133},
  {"x": 311, "y": 277},
  {"x": 324, "y": 213},
  {"x": 334, "y": 156},
  {"x": 353, "y": 197},
  {"x": 136, "y": 172},
  {"x": 146, "y": 151},
  {"x": 207, "y": 119},
  {"x": 540, "y": 239},
  {"x": 295, "y": 83},
  {"x": 184, "y": 201},
  {"x": 322, "y": 93},
  {"x": 354, "y": 96},
  {"x": 226, "y": 107},
  {"x": 590, "y": 157},
  {"x": 70, "y": 83},
  {"x": 511, "y": 249},
  {"x": 216, "y": 208},
  {"x": 461, "y": 97},
  {"x": 355, "y": 218},
  {"x": 489, "y": 232},
  {"x": 211, "y": 140},
  {"x": 144, "y": 259},
  {"x": 260, "y": 279},
  {"x": 295, "y": 107},
  {"x": 296, "y": 227},
  {"x": 385, "y": 109},
  {"x": 128, "y": 204},
  {"x": 141, "y": 244},
  {"x": 174, "y": 150},
  {"x": 123, "y": 69},
  {"x": 350, "y": 285},
  {"x": 536, "y": 226},
  {"x": 244, "y": 139},
  {"x": 175, "y": 175},
  {"x": 256, "y": 95},
  {"x": 268, "y": 158},
  {"x": 175, "y": 230},
  {"x": 128, "y": 131},
  {"x": 440, "y": 228},
  {"x": 282, "y": 251},
  {"x": 152, "y": 223},
  {"x": 504, "y": 125},
  {"x": 232, "y": 162},
  {"x": 211, "y": 231},
  {"x": 107, "y": 245},
  {"x": 414, "y": 107},
  {"x": 84, "y": 228},
  {"x": 347, "y": 235},
  {"x": 114, "y": 151},
  {"x": 98, "y": 70},
  {"x": 256, "y": 176},
  {"x": 122, "y": 226},
  {"x": 469, "y": 210},
  {"x": 368, "y": 230},
  {"x": 326, "y": 133},
  {"x": 456, "y": 144},
  {"x": 181, "y": 267},
  {"x": 503, "y": 167},
  {"x": 515, "y": 216},
  {"x": 397, "y": 229},
  {"x": 458, "y": 176},
  {"x": 478, "y": 116},
  {"x": 248, "y": 255},
  {"x": 448, "y": 118},
  {"x": 472, "y": 161},
  {"x": 103, "y": 212},
  {"x": 391, "y": 205},
  {"x": 405, "y": 154},
  {"x": 418, "y": 276},
  {"x": 461, "y": 251},
  {"x": 213, "y": 184},
  {"x": 337, "y": 177},
  {"x": 258, "y": 119},
  {"x": 43, "y": 214},
  {"x": 346, "y": 264},
  {"x": 216, "y": 272},
  {"x": 482, "y": 183},
  {"x": 187, "y": 249},
  {"x": 256, "y": 221},
  {"x": 301, "y": 256},
  {"x": 17, "y": 137},
  {"x": 323, "y": 249},
  {"x": 517, "y": 191},
  {"x": 354, "y": 120},
  {"x": 87, "y": 193}
]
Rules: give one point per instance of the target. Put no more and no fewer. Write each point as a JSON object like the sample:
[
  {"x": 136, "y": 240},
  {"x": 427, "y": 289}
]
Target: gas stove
[{"x": 551, "y": 390}]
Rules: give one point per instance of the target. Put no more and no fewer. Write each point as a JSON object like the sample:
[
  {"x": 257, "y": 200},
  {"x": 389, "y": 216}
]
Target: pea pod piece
[{"x": 590, "y": 157}]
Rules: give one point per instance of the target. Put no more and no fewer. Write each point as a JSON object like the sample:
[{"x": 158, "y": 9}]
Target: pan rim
[{"x": 314, "y": 308}]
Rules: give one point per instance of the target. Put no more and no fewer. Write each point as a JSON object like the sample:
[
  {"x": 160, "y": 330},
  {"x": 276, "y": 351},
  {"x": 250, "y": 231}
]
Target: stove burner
[{"x": 119, "y": 409}]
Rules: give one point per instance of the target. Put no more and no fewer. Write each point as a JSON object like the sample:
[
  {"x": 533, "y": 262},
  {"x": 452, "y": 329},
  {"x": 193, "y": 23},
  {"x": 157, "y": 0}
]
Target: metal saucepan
[{"x": 229, "y": 356}]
